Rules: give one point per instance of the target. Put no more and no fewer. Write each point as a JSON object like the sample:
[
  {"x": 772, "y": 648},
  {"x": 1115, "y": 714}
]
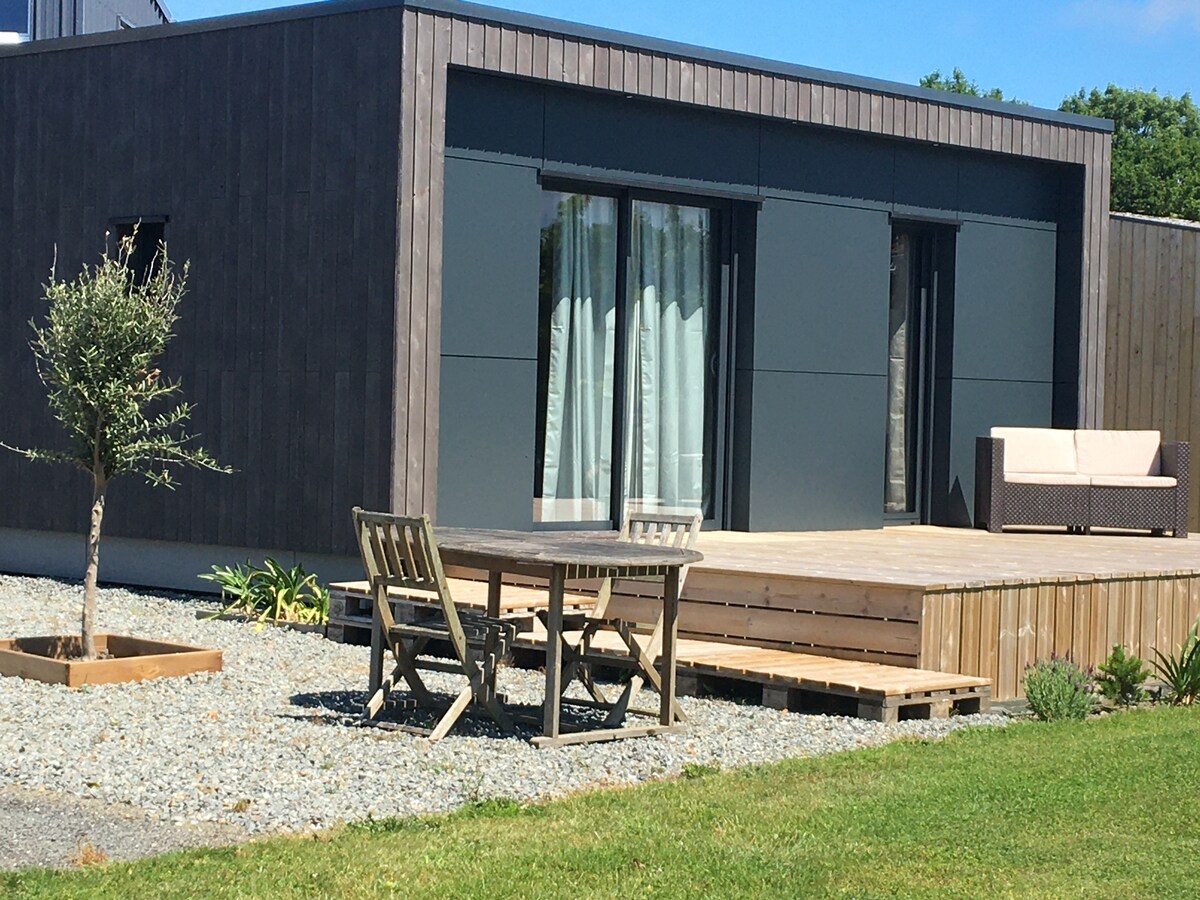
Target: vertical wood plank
[
  {"x": 1064, "y": 616},
  {"x": 949, "y": 660},
  {"x": 1009, "y": 674},
  {"x": 989, "y": 636},
  {"x": 972, "y": 607}
]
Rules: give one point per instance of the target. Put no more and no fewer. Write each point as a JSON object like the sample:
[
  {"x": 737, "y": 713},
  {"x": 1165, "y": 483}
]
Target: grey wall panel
[
  {"x": 814, "y": 160},
  {"x": 488, "y": 411},
  {"x": 977, "y": 406},
  {"x": 161, "y": 564},
  {"x": 1015, "y": 188},
  {"x": 822, "y": 287},
  {"x": 494, "y": 115},
  {"x": 490, "y": 252},
  {"x": 1004, "y": 303},
  {"x": 817, "y": 452},
  {"x": 610, "y": 132},
  {"x": 927, "y": 177}
]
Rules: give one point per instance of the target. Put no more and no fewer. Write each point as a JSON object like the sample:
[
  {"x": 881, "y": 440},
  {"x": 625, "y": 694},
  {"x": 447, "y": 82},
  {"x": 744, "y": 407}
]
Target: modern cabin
[{"x": 520, "y": 273}]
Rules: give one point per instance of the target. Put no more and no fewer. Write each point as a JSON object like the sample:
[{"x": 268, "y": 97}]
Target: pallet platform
[
  {"x": 871, "y": 690},
  {"x": 350, "y": 604}
]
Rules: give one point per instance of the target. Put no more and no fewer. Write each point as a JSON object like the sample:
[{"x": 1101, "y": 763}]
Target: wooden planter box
[{"x": 133, "y": 659}]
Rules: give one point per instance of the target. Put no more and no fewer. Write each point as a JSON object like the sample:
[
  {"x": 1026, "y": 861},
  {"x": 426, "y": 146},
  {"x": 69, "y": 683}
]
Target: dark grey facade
[
  {"x": 363, "y": 324},
  {"x": 282, "y": 197}
]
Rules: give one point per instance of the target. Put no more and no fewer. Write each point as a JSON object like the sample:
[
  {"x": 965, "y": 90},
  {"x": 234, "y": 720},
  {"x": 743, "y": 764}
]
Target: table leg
[
  {"x": 493, "y": 598},
  {"x": 554, "y": 623},
  {"x": 670, "y": 630},
  {"x": 375, "y": 675}
]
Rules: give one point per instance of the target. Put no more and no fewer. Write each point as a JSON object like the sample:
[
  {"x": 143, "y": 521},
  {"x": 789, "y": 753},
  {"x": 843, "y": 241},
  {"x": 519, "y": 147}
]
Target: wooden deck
[{"x": 953, "y": 601}]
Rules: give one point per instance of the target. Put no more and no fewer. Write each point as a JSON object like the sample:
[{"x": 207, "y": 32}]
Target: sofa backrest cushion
[
  {"x": 1043, "y": 450},
  {"x": 1118, "y": 452}
]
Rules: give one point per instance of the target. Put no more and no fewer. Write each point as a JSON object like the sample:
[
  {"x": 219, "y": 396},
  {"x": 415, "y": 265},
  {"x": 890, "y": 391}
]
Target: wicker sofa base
[{"x": 1079, "y": 507}]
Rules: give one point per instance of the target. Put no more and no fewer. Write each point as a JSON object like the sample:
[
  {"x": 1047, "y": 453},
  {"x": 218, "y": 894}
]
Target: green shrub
[
  {"x": 1181, "y": 670},
  {"x": 1122, "y": 676},
  {"x": 272, "y": 593},
  {"x": 1056, "y": 689}
]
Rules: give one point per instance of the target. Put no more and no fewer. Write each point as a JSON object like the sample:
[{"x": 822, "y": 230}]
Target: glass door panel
[
  {"x": 576, "y": 351},
  {"x": 908, "y": 385},
  {"x": 670, "y": 371}
]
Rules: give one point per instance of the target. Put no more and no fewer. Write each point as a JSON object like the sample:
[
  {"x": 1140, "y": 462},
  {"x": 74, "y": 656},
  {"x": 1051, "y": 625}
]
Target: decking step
[{"x": 881, "y": 691}]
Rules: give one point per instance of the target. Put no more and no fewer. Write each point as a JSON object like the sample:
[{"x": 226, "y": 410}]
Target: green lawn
[{"x": 1108, "y": 808}]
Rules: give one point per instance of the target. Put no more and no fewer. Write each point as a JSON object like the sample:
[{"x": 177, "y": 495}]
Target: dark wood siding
[
  {"x": 437, "y": 37},
  {"x": 273, "y": 151}
]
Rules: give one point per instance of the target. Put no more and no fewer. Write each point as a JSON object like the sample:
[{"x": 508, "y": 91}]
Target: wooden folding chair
[
  {"x": 655, "y": 529},
  {"x": 399, "y": 552}
]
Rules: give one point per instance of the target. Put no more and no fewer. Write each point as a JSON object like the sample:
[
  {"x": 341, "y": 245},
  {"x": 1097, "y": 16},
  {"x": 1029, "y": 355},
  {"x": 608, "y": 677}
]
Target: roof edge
[
  {"x": 549, "y": 25},
  {"x": 481, "y": 12}
]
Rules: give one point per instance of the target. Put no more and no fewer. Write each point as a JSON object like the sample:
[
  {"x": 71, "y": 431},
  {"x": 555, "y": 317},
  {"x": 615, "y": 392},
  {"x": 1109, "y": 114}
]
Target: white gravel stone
[{"x": 268, "y": 745}]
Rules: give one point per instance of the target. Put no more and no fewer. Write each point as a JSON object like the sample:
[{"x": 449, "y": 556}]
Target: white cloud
[{"x": 1142, "y": 16}]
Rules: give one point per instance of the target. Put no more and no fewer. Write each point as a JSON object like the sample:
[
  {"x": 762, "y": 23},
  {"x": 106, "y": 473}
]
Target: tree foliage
[
  {"x": 1155, "y": 152},
  {"x": 97, "y": 353},
  {"x": 958, "y": 83}
]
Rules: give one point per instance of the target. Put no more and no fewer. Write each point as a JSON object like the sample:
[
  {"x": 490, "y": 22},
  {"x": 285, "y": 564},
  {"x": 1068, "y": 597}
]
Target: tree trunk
[{"x": 88, "y": 634}]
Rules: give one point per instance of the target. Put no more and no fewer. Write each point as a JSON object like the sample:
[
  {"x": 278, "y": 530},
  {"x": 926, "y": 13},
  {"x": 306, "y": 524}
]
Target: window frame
[{"x": 722, "y": 219}]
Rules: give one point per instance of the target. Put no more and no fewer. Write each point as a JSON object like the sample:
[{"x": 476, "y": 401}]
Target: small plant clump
[
  {"x": 1121, "y": 678},
  {"x": 1058, "y": 689},
  {"x": 272, "y": 593},
  {"x": 1180, "y": 671}
]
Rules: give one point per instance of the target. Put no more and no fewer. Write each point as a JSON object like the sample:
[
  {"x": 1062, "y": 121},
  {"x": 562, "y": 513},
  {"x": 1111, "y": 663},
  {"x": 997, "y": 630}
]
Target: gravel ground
[{"x": 268, "y": 745}]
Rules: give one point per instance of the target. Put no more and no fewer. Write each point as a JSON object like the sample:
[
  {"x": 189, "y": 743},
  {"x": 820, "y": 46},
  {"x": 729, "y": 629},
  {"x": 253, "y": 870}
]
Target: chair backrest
[
  {"x": 661, "y": 529},
  {"x": 652, "y": 528},
  {"x": 399, "y": 551}
]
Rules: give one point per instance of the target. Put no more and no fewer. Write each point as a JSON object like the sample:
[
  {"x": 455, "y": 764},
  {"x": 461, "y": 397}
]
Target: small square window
[{"x": 148, "y": 234}]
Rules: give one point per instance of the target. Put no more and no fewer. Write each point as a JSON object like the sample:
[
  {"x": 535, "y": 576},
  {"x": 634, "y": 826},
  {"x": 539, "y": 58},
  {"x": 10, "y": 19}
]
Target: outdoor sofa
[{"x": 1081, "y": 479}]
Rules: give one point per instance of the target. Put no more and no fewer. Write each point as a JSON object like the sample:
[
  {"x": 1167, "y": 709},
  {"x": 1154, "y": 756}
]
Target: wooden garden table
[{"x": 562, "y": 556}]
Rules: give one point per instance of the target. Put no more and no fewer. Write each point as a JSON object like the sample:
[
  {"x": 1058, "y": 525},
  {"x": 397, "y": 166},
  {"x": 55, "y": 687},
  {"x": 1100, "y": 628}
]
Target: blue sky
[{"x": 1037, "y": 50}]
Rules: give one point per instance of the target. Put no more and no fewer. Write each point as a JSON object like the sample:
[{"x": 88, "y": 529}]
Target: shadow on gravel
[{"x": 343, "y": 708}]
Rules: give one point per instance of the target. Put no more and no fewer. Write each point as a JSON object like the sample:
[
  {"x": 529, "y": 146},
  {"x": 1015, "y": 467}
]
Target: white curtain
[
  {"x": 668, "y": 355},
  {"x": 896, "y": 497},
  {"x": 579, "y": 271}
]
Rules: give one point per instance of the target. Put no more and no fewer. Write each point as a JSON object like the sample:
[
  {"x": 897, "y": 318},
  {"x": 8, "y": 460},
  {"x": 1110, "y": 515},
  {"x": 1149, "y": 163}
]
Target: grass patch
[{"x": 1103, "y": 808}]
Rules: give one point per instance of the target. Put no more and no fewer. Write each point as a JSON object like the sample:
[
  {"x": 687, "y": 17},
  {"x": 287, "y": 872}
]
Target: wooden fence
[{"x": 1152, "y": 377}]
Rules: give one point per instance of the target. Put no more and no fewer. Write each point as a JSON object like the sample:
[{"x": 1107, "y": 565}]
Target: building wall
[
  {"x": 440, "y": 35},
  {"x": 810, "y": 379},
  {"x": 1153, "y": 335},
  {"x": 277, "y": 173},
  {"x": 65, "y": 18}
]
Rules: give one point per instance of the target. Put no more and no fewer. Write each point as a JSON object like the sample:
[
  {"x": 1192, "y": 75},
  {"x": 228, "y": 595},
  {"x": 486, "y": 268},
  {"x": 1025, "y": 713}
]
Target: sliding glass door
[{"x": 627, "y": 358}]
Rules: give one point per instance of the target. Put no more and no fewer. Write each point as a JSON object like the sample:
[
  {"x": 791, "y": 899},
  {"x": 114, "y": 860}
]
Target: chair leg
[
  {"x": 406, "y": 669},
  {"x": 585, "y": 677},
  {"x": 372, "y": 706},
  {"x": 461, "y": 702}
]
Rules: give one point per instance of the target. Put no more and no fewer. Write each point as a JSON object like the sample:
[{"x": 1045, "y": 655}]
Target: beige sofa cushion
[
  {"x": 1049, "y": 451},
  {"x": 1154, "y": 481},
  {"x": 1118, "y": 452},
  {"x": 1045, "y": 478}
]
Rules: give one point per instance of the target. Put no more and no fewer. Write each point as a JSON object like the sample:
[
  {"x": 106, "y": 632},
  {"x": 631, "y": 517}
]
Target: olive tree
[{"x": 97, "y": 352}]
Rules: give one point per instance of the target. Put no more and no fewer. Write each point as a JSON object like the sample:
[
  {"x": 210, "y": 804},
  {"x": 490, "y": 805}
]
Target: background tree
[
  {"x": 958, "y": 83},
  {"x": 1156, "y": 149},
  {"x": 96, "y": 354}
]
